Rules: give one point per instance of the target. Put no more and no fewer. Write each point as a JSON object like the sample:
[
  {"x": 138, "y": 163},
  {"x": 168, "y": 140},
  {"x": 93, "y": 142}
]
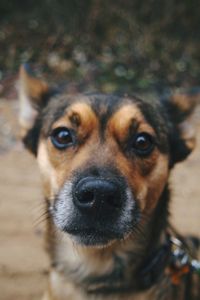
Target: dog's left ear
[
  {"x": 180, "y": 108},
  {"x": 33, "y": 95}
]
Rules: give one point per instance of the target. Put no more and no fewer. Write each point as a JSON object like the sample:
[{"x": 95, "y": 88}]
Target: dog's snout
[{"x": 94, "y": 193}]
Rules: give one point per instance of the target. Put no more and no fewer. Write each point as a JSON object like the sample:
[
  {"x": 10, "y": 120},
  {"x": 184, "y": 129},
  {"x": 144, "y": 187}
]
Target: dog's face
[
  {"x": 105, "y": 160},
  {"x": 104, "y": 164}
]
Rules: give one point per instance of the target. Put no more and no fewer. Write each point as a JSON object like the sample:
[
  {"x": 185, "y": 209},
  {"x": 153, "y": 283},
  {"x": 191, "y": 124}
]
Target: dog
[{"x": 105, "y": 162}]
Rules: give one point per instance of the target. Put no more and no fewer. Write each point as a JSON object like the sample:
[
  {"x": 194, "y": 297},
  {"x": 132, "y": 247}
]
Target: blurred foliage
[{"x": 107, "y": 45}]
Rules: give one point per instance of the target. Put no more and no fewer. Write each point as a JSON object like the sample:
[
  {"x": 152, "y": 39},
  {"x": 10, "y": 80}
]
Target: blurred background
[{"x": 129, "y": 46}]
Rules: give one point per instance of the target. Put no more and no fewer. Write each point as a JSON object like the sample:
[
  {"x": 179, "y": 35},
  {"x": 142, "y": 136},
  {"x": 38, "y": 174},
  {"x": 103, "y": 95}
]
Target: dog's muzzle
[{"x": 96, "y": 209}]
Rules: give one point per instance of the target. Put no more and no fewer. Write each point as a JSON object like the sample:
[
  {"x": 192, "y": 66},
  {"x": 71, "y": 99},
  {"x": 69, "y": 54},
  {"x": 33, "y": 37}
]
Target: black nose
[{"x": 91, "y": 193}]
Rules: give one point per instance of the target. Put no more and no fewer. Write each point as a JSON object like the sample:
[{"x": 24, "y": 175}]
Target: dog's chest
[{"x": 62, "y": 290}]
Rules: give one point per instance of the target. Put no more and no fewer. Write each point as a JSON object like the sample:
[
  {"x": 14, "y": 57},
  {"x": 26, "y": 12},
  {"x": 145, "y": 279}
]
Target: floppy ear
[
  {"x": 33, "y": 95},
  {"x": 180, "y": 109}
]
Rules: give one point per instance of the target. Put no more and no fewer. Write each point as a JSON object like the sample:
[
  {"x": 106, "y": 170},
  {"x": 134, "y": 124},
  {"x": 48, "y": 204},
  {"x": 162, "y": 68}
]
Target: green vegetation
[{"x": 108, "y": 45}]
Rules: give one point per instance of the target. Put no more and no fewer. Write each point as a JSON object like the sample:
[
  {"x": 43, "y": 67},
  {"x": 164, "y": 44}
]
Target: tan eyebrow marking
[
  {"x": 78, "y": 115},
  {"x": 126, "y": 116}
]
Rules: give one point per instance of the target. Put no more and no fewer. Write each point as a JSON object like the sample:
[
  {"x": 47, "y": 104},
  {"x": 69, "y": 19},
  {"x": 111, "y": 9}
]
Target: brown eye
[
  {"x": 62, "y": 138},
  {"x": 143, "y": 143}
]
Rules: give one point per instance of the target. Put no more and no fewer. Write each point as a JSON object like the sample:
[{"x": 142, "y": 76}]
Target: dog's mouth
[
  {"x": 95, "y": 211},
  {"x": 101, "y": 230},
  {"x": 93, "y": 237}
]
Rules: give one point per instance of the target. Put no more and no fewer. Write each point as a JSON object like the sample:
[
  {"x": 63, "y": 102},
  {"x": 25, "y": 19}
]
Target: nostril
[{"x": 85, "y": 197}]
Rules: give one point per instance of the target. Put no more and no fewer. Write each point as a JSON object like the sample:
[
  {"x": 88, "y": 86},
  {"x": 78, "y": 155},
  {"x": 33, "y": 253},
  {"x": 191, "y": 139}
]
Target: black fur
[{"x": 163, "y": 116}]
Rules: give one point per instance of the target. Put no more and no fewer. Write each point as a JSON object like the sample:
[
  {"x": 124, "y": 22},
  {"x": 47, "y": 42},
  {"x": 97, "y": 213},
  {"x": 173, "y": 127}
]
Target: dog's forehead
[{"x": 103, "y": 108}]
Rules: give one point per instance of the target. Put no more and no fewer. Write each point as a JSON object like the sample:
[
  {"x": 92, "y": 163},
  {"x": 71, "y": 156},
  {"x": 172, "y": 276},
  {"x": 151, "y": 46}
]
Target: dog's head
[{"x": 104, "y": 159}]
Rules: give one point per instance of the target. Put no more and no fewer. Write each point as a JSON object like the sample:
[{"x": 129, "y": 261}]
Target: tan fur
[
  {"x": 31, "y": 91},
  {"x": 155, "y": 182},
  {"x": 181, "y": 101},
  {"x": 156, "y": 166},
  {"x": 54, "y": 164},
  {"x": 123, "y": 118},
  {"x": 90, "y": 261},
  {"x": 79, "y": 114},
  {"x": 34, "y": 87},
  {"x": 56, "y": 168},
  {"x": 145, "y": 177},
  {"x": 60, "y": 290},
  {"x": 186, "y": 104},
  {"x": 188, "y": 133}
]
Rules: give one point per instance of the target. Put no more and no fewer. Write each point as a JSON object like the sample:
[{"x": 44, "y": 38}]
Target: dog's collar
[{"x": 172, "y": 259}]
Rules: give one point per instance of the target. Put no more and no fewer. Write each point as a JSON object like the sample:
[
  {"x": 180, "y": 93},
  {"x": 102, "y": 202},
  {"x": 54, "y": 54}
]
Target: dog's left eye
[
  {"x": 62, "y": 137},
  {"x": 143, "y": 143}
]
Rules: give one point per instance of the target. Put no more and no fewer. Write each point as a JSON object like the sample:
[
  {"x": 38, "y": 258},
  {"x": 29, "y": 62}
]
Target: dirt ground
[{"x": 23, "y": 262}]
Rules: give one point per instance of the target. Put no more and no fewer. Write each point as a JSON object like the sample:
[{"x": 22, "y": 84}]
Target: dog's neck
[{"x": 119, "y": 262}]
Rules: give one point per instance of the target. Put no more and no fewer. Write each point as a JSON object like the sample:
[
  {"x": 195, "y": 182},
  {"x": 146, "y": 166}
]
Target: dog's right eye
[
  {"x": 62, "y": 138},
  {"x": 143, "y": 144}
]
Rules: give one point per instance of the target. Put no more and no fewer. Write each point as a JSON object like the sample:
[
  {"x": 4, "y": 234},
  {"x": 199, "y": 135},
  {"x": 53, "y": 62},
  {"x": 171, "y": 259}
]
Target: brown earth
[{"x": 23, "y": 262}]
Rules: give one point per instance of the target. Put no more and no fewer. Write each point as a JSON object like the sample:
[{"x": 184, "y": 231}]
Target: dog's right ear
[
  {"x": 180, "y": 108},
  {"x": 34, "y": 94}
]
